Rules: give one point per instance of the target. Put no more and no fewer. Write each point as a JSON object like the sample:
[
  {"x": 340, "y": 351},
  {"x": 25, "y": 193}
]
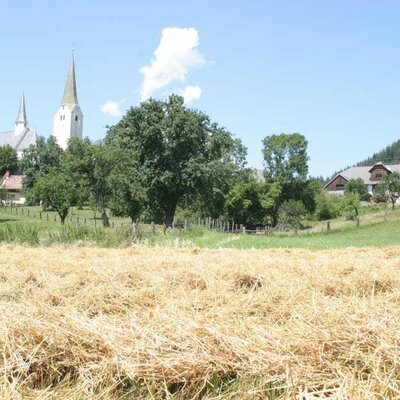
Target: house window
[
  {"x": 339, "y": 186},
  {"x": 378, "y": 177}
]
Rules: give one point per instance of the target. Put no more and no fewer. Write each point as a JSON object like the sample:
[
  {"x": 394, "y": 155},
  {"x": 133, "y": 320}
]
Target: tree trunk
[
  {"x": 169, "y": 215},
  {"x": 104, "y": 217},
  {"x": 62, "y": 218}
]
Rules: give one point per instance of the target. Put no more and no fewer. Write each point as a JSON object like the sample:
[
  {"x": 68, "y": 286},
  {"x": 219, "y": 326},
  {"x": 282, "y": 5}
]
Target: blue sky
[{"x": 329, "y": 70}]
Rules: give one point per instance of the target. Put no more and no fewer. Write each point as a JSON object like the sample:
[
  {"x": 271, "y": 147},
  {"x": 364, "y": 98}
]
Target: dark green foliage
[
  {"x": 56, "y": 190},
  {"x": 182, "y": 155},
  {"x": 285, "y": 157},
  {"x": 357, "y": 186},
  {"x": 286, "y": 165},
  {"x": 128, "y": 192},
  {"x": 389, "y": 155},
  {"x": 292, "y": 213},
  {"x": 90, "y": 166},
  {"x": 39, "y": 159},
  {"x": 244, "y": 203},
  {"x": 8, "y": 159}
]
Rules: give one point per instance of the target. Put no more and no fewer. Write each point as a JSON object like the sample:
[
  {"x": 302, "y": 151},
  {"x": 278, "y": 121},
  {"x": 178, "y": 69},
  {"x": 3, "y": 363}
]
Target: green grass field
[{"x": 376, "y": 230}]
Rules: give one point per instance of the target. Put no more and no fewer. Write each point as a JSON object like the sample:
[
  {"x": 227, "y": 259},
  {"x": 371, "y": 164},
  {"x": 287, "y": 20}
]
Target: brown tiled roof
[{"x": 13, "y": 182}]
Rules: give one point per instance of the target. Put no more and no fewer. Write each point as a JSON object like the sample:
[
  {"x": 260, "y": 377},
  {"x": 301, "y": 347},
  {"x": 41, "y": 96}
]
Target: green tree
[
  {"x": 40, "y": 158},
  {"x": 92, "y": 164},
  {"x": 327, "y": 206},
  {"x": 270, "y": 201},
  {"x": 244, "y": 203},
  {"x": 8, "y": 159},
  {"x": 285, "y": 157},
  {"x": 286, "y": 165},
  {"x": 389, "y": 188},
  {"x": 178, "y": 150},
  {"x": 128, "y": 196},
  {"x": 56, "y": 190},
  {"x": 292, "y": 213},
  {"x": 351, "y": 205},
  {"x": 357, "y": 186}
]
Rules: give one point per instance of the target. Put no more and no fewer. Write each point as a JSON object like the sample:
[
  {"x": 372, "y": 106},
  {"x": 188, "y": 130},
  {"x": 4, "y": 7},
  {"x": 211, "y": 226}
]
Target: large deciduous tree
[
  {"x": 8, "y": 159},
  {"x": 286, "y": 166},
  {"x": 285, "y": 157},
  {"x": 179, "y": 152}
]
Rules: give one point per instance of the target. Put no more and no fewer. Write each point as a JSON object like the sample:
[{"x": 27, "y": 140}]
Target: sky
[{"x": 328, "y": 70}]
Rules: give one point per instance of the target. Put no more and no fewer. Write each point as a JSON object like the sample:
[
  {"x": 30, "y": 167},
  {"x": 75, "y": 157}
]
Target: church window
[
  {"x": 76, "y": 118},
  {"x": 60, "y": 117}
]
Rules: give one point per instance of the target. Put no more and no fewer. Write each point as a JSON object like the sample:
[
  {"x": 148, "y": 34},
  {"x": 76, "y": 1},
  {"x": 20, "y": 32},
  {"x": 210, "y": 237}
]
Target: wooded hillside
[{"x": 389, "y": 155}]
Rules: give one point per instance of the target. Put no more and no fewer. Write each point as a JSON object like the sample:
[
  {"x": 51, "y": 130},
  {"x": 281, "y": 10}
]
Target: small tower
[
  {"x": 21, "y": 123},
  {"x": 68, "y": 120}
]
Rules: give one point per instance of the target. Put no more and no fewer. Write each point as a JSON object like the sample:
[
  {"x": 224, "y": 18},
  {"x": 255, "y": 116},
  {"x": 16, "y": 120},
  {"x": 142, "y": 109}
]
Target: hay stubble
[{"x": 160, "y": 322}]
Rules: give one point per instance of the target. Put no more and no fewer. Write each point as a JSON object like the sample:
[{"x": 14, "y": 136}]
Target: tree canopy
[
  {"x": 179, "y": 151},
  {"x": 8, "y": 159}
]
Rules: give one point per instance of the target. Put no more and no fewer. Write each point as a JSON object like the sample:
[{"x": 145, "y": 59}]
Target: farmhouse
[
  {"x": 370, "y": 175},
  {"x": 12, "y": 184}
]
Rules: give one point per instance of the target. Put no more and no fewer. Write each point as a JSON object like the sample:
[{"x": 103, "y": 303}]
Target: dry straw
[{"x": 150, "y": 323}]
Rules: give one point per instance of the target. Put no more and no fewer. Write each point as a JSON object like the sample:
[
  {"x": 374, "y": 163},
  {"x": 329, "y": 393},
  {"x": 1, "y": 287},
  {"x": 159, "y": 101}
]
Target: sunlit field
[{"x": 157, "y": 323}]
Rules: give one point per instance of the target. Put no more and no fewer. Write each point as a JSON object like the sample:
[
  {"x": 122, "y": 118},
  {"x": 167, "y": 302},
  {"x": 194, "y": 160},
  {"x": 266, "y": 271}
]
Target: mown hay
[{"x": 172, "y": 323}]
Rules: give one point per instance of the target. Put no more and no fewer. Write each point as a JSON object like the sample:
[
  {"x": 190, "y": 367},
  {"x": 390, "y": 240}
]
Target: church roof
[
  {"x": 21, "y": 118},
  {"x": 70, "y": 97},
  {"x": 19, "y": 142}
]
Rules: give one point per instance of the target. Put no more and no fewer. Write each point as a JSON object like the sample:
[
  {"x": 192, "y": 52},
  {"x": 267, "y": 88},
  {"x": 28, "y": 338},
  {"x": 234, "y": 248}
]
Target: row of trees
[{"x": 163, "y": 157}]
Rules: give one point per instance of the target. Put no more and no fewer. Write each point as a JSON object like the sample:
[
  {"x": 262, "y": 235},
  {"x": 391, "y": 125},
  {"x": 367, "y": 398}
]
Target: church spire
[
  {"x": 21, "y": 122},
  {"x": 70, "y": 97},
  {"x": 21, "y": 118}
]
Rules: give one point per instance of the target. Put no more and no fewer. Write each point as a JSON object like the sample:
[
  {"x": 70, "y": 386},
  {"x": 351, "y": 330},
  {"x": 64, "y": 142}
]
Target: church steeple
[
  {"x": 21, "y": 122},
  {"x": 70, "y": 97},
  {"x": 68, "y": 120}
]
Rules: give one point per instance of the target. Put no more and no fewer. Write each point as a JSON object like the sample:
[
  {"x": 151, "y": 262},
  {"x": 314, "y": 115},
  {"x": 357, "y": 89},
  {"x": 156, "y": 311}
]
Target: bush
[{"x": 327, "y": 206}]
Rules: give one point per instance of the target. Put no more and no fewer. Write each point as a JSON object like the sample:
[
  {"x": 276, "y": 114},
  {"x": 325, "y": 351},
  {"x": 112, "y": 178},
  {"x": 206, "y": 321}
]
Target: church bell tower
[{"x": 68, "y": 120}]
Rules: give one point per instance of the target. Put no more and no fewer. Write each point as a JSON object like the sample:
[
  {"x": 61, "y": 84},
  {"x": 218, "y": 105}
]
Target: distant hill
[{"x": 389, "y": 155}]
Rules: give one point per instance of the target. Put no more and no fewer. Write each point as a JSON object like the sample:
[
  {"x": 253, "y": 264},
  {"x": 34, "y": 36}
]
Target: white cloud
[
  {"x": 190, "y": 93},
  {"x": 174, "y": 57},
  {"x": 111, "y": 108}
]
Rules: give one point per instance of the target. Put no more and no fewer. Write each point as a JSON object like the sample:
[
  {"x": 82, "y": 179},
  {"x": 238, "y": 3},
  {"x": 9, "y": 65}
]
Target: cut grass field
[{"x": 183, "y": 323}]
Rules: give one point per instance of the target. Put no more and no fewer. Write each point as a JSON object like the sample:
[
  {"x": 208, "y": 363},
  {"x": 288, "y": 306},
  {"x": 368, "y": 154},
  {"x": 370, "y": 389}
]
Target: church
[{"x": 68, "y": 120}]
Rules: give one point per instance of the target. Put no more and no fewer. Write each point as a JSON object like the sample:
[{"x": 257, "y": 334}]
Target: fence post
[
  {"x": 47, "y": 216},
  {"x": 153, "y": 228},
  {"x": 40, "y": 215},
  {"x": 85, "y": 221},
  {"x": 28, "y": 212},
  {"x": 243, "y": 229},
  {"x": 328, "y": 226},
  {"x": 55, "y": 218},
  {"x": 95, "y": 222},
  {"x": 186, "y": 225}
]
